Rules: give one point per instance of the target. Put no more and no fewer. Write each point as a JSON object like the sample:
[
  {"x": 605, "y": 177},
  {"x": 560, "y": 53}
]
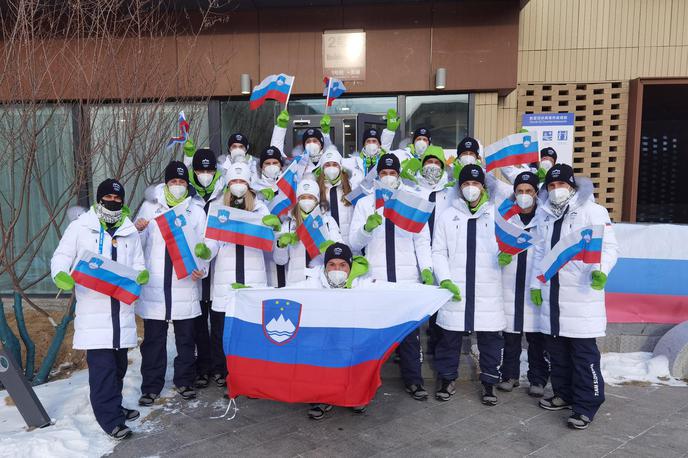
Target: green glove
[
  {"x": 143, "y": 277},
  {"x": 359, "y": 267},
  {"x": 273, "y": 222},
  {"x": 504, "y": 259},
  {"x": 452, "y": 288},
  {"x": 202, "y": 251},
  {"x": 427, "y": 277},
  {"x": 64, "y": 281},
  {"x": 372, "y": 222},
  {"x": 410, "y": 167},
  {"x": 541, "y": 174},
  {"x": 239, "y": 286},
  {"x": 290, "y": 238},
  {"x": 189, "y": 147},
  {"x": 392, "y": 120},
  {"x": 283, "y": 119},
  {"x": 268, "y": 193},
  {"x": 325, "y": 124},
  {"x": 599, "y": 279},
  {"x": 536, "y": 296},
  {"x": 325, "y": 245}
]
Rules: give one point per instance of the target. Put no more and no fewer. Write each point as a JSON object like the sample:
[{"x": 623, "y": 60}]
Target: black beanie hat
[
  {"x": 176, "y": 169},
  {"x": 313, "y": 133},
  {"x": 370, "y": 133},
  {"x": 110, "y": 186},
  {"x": 528, "y": 178},
  {"x": 204, "y": 159},
  {"x": 422, "y": 132},
  {"x": 472, "y": 172},
  {"x": 271, "y": 152},
  {"x": 549, "y": 151},
  {"x": 560, "y": 172},
  {"x": 467, "y": 144},
  {"x": 339, "y": 251},
  {"x": 388, "y": 161},
  {"x": 238, "y": 138}
]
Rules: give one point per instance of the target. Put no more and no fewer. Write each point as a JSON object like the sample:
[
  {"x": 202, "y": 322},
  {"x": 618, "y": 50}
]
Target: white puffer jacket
[
  {"x": 581, "y": 309},
  {"x": 340, "y": 212},
  {"x": 294, "y": 256},
  {"x": 464, "y": 250},
  {"x": 179, "y": 301},
  {"x": 443, "y": 197},
  {"x": 247, "y": 268},
  {"x": 95, "y": 325},
  {"x": 318, "y": 280},
  {"x": 411, "y": 251}
]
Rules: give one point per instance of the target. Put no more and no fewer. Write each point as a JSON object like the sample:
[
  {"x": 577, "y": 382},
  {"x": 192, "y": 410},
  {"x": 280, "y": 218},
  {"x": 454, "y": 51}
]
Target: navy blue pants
[
  {"x": 218, "y": 363},
  {"x": 448, "y": 350},
  {"x": 203, "y": 361},
  {"x": 106, "y": 370},
  {"x": 538, "y": 364},
  {"x": 411, "y": 359},
  {"x": 576, "y": 375},
  {"x": 433, "y": 334},
  {"x": 154, "y": 354}
]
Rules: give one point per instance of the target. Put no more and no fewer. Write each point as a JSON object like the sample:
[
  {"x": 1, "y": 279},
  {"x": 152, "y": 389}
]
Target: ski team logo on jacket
[{"x": 281, "y": 319}]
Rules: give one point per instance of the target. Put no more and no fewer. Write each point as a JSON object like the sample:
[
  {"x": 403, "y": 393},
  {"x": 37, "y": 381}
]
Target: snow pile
[
  {"x": 641, "y": 367},
  {"x": 75, "y": 432}
]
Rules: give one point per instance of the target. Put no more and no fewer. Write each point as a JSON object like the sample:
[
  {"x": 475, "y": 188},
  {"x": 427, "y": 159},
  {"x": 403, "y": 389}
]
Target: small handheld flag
[
  {"x": 508, "y": 209},
  {"x": 286, "y": 198},
  {"x": 408, "y": 211},
  {"x": 511, "y": 238},
  {"x": 381, "y": 196},
  {"x": 240, "y": 227},
  {"x": 183, "y": 131},
  {"x": 334, "y": 88},
  {"x": 275, "y": 87},
  {"x": 105, "y": 276},
  {"x": 176, "y": 233},
  {"x": 514, "y": 149},
  {"x": 584, "y": 244},
  {"x": 312, "y": 233}
]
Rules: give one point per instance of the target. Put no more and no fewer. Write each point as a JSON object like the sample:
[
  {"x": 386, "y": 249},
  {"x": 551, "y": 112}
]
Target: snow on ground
[
  {"x": 75, "y": 432},
  {"x": 620, "y": 368}
]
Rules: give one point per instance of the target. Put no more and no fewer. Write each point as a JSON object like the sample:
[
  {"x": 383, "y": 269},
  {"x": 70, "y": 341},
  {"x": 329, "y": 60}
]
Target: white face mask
[
  {"x": 467, "y": 159},
  {"x": 389, "y": 181},
  {"x": 237, "y": 154},
  {"x": 332, "y": 172},
  {"x": 314, "y": 151},
  {"x": 546, "y": 164},
  {"x": 238, "y": 189},
  {"x": 432, "y": 173},
  {"x": 371, "y": 149},
  {"x": 177, "y": 190},
  {"x": 337, "y": 277},
  {"x": 204, "y": 179},
  {"x": 471, "y": 193},
  {"x": 307, "y": 205},
  {"x": 271, "y": 171},
  {"x": 524, "y": 200},
  {"x": 420, "y": 146},
  {"x": 559, "y": 195}
]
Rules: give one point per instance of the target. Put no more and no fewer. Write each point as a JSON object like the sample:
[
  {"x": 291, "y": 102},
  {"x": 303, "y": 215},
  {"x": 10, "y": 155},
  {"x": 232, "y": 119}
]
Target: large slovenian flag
[
  {"x": 183, "y": 131},
  {"x": 333, "y": 88},
  {"x": 178, "y": 239},
  {"x": 584, "y": 244},
  {"x": 514, "y": 149},
  {"x": 240, "y": 227},
  {"x": 105, "y": 276},
  {"x": 275, "y": 87},
  {"x": 312, "y": 233},
  {"x": 287, "y": 183},
  {"x": 408, "y": 211},
  {"x": 319, "y": 346}
]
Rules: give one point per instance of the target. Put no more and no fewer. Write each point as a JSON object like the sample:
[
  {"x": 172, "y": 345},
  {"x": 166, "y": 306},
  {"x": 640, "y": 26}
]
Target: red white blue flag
[
  {"x": 105, "y": 276},
  {"x": 240, "y": 227},
  {"x": 313, "y": 233},
  {"x": 286, "y": 184},
  {"x": 333, "y": 88},
  {"x": 514, "y": 149},
  {"x": 583, "y": 244},
  {"x": 183, "y": 131},
  {"x": 177, "y": 234},
  {"x": 275, "y": 87},
  {"x": 408, "y": 211}
]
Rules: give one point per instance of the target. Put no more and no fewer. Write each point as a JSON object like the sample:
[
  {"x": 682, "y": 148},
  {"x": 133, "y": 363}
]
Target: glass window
[
  {"x": 129, "y": 142},
  {"x": 37, "y": 185},
  {"x": 257, "y": 125},
  {"x": 343, "y": 106},
  {"x": 445, "y": 115}
]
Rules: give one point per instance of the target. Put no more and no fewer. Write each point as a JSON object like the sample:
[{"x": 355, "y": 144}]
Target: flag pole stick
[
  {"x": 289, "y": 94},
  {"x": 327, "y": 100}
]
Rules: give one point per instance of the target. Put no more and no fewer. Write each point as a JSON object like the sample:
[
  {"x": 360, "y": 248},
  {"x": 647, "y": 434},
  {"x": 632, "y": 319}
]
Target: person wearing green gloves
[
  {"x": 572, "y": 301},
  {"x": 464, "y": 253},
  {"x": 396, "y": 256},
  {"x": 103, "y": 326},
  {"x": 238, "y": 151}
]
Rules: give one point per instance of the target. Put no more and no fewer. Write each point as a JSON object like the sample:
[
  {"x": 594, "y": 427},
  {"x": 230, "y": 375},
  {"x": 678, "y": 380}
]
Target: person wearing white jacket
[
  {"x": 238, "y": 148},
  {"x": 288, "y": 250},
  {"x": 397, "y": 256},
  {"x": 235, "y": 266},
  {"x": 522, "y": 316},
  {"x": 464, "y": 254},
  {"x": 103, "y": 326},
  {"x": 573, "y": 303},
  {"x": 166, "y": 298},
  {"x": 335, "y": 183}
]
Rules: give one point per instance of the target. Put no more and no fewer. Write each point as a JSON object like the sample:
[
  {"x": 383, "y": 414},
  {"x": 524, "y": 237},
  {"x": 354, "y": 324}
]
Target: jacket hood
[{"x": 584, "y": 193}]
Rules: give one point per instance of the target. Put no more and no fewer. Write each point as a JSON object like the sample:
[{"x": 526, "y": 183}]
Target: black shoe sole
[
  {"x": 489, "y": 403},
  {"x": 146, "y": 403},
  {"x": 123, "y": 437},
  {"x": 572, "y": 426},
  {"x": 138, "y": 414},
  {"x": 554, "y": 408},
  {"x": 535, "y": 395}
]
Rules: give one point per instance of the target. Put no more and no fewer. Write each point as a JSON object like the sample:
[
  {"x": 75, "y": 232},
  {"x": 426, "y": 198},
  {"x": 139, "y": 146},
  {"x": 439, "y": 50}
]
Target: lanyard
[{"x": 100, "y": 240}]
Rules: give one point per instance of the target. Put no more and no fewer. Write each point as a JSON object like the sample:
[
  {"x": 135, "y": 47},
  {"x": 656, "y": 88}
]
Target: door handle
[{"x": 302, "y": 122}]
